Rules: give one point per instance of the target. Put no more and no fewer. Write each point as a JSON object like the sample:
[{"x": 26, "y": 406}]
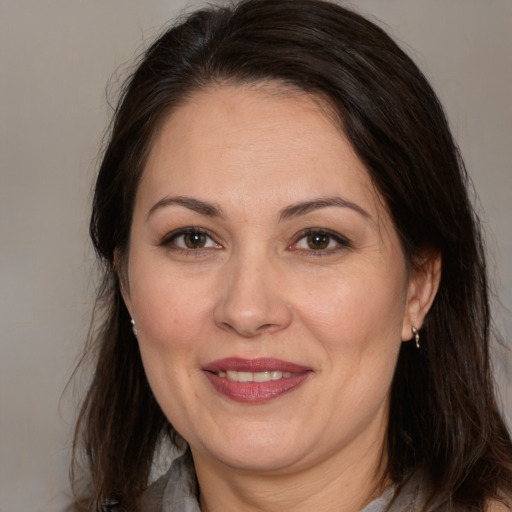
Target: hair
[{"x": 444, "y": 420}]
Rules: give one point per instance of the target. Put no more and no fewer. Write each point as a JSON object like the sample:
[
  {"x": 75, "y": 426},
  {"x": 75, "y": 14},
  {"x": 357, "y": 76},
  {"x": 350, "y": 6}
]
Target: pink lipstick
[{"x": 255, "y": 380}]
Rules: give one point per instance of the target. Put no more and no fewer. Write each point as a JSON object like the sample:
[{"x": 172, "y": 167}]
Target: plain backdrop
[{"x": 56, "y": 58}]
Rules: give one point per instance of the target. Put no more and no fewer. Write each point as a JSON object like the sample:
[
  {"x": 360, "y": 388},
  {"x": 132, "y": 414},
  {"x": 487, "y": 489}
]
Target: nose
[{"x": 252, "y": 300}]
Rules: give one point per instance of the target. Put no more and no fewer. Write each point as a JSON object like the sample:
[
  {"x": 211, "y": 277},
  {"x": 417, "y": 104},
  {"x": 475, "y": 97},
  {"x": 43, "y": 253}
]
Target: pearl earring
[
  {"x": 416, "y": 337},
  {"x": 134, "y": 329}
]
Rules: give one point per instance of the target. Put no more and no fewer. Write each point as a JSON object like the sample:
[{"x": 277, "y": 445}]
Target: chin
[
  {"x": 267, "y": 451},
  {"x": 258, "y": 461}
]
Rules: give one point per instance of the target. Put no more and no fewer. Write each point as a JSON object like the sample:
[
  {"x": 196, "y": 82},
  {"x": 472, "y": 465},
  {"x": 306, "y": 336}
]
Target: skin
[{"x": 258, "y": 287}]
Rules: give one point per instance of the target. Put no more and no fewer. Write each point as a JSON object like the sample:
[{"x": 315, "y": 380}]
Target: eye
[
  {"x": 320, "y": 241},
  {"x": 190, "y": 239}
]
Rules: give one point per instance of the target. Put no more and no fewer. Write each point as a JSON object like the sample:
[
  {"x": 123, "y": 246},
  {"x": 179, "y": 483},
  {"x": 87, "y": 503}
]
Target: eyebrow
[
  {"x": 202, "y": 207},
  {"x": 294, "y": 210},
  {"x": 303, "y": 208}
]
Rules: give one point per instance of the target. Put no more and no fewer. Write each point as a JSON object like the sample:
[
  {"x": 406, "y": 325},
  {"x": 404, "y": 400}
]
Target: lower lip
[{"x": 255, "y": 392}]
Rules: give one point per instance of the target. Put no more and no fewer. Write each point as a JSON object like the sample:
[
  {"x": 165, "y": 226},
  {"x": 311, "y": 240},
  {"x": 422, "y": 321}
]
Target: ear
[
  {"x": 121, "y": 269},
  {"x": 423, "y": 284}
]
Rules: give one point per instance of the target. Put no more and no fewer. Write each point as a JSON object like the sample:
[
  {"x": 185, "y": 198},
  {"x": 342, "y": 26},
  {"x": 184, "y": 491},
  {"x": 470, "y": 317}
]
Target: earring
[
  {"x": 416, "y": 337},
  {"x": 134, "y": 329}
]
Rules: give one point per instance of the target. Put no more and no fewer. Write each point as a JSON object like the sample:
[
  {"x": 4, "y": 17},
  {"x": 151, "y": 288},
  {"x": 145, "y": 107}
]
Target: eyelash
[
  {"x": 169, "y": 241},
  {"x": 341, "y": 241}
]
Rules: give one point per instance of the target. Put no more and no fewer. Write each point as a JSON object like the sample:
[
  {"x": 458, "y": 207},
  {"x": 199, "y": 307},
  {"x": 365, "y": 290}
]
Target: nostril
[
  {"x": 248, "y": 330},
  {"x": 268, "y": 327}
]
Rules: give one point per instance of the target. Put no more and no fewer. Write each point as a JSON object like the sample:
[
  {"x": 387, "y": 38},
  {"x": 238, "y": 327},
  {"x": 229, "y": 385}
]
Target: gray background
[{"x": 56, "y": 57}]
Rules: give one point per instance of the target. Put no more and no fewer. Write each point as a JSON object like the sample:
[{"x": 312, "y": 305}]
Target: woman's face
[{"x": 267, "y": 283}]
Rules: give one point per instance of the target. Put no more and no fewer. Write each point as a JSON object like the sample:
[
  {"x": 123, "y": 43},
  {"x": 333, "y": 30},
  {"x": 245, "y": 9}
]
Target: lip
[
  {"x": 254, "y": 365},
  {"x": 255, "y": 392}
]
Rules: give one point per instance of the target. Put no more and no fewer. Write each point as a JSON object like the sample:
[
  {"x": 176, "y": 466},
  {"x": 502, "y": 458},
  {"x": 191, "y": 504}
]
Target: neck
[{"x": 336, "y": 484}]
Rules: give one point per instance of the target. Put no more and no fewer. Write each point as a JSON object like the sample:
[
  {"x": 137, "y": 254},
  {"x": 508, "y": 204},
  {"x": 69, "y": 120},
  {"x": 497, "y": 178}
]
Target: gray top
[{"x": 176, "y": 491}]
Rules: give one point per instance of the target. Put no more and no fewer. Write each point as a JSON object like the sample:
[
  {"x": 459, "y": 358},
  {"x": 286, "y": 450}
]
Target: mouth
[
  {"x": 255, "y": 380},
  {"x": 265, "y": 376}
]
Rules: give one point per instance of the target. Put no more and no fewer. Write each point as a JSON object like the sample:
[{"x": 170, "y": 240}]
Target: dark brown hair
[{"x": 444, "y": 420}]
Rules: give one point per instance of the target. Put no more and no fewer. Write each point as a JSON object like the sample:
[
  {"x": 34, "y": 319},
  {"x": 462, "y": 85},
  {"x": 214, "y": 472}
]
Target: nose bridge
[{"x": 252, "y": 300}]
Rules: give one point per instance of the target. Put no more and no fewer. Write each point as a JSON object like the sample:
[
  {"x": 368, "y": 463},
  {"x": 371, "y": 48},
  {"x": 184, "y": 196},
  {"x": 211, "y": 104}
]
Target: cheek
[
  {"x": 170, "y": 312},
  {"x": 357, "y": 311},
  {"x": 171, "y": 325}
]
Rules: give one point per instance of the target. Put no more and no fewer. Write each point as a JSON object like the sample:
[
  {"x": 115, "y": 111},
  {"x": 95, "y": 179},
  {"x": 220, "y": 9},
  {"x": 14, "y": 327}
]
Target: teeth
[
  {"x": 254, "y": 376},
  {"x": 232, "y": 375},
  {"x": 245, "y": 377},
  {"x": 261, "y": 376}
]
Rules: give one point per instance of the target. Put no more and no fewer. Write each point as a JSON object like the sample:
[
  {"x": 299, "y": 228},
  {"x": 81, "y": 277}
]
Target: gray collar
[{"x": 178, "y": 492}]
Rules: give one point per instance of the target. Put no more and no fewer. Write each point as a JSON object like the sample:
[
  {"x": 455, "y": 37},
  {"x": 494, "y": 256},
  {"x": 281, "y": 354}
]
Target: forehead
[{"x": 256, "y": 143}]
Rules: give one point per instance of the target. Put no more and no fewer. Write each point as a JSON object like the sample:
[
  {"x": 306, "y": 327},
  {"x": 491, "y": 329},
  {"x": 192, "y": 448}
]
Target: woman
[{"x": 295, "y": 287}]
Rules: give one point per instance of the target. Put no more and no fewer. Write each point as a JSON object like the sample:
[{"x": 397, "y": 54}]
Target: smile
[
  {"x": 255, "y": 380},
  {"x": 266, "y": 376}
]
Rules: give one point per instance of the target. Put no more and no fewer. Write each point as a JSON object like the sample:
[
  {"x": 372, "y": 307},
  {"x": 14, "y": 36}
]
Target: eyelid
[
  {"x": 342, "y": 241},
  {"x": 167, "y": 240}
]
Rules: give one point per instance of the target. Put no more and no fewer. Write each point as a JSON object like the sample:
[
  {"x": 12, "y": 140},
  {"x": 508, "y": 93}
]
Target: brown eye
[
  {"x": 190, "y": 239},
  {"x": 318, "y": 241},
  {"x": 194, "y": 240}
]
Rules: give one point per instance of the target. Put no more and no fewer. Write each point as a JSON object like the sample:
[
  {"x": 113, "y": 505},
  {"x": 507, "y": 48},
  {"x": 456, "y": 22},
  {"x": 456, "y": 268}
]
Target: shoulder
[
  {"x": 152, "y": 498},
  {"x": 174, "y": 491}
]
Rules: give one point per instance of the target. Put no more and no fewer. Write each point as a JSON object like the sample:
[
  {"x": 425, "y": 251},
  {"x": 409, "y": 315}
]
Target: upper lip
[{"x": 262, "y": 364}]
